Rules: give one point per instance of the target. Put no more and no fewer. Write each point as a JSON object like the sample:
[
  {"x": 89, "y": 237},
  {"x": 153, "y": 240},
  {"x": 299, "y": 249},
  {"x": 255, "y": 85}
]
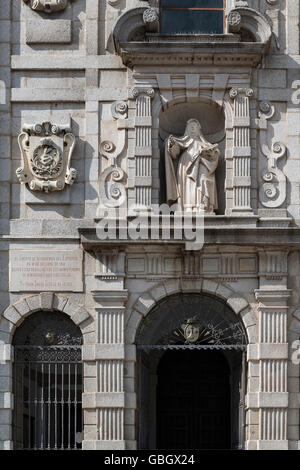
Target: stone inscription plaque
[{"x": 42, "y": 270}]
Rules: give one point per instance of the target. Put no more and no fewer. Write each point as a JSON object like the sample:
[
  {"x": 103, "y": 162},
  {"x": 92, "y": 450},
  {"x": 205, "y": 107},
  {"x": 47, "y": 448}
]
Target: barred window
[{"x": 192, "y": 16}]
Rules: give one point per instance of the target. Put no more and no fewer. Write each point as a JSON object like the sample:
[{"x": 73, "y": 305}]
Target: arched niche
[{"x": 173, "y": 119}]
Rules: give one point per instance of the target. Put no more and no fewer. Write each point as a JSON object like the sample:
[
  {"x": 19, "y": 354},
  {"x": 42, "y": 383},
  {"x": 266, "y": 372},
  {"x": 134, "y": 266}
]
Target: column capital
[
  {"x": 135, "y": 92},
  {"x": 234, "y": 92}
]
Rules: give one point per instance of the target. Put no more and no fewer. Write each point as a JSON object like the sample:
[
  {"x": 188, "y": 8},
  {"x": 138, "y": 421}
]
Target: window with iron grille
[
  {"x": 47, "y": 383},
  {"x": 192, "y": 16}
]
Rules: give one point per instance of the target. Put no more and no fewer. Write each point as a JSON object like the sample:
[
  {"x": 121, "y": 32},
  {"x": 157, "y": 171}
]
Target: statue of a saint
[{"x": 191, "y": 162}]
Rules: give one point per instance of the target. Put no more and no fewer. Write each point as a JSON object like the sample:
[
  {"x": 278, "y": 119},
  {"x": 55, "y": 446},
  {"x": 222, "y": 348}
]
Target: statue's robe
[{"x": 193, "y": 184}]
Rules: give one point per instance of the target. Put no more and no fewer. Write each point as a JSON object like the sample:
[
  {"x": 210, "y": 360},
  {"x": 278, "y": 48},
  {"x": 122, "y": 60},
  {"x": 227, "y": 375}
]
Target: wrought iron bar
[
  {"x": 75, "y": 404},
  {"x": 55, "y": 409},
  {"x": 49, "y": 405},
  {"x": 45, "y": 398},
  {"x": 42, "y": 410},
  {"x": 22, "y": 400},
  {"x": 69, "y": 409},
  {"x": 29, "y": 404},
  {"x": 62, "y": 405},
  {"x": 240, "y": 347},
  {"x": 35, "y": 408}
]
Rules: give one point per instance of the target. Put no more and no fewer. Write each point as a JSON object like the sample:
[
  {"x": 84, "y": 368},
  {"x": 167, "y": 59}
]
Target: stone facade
[{"x": 95, "y": 81}]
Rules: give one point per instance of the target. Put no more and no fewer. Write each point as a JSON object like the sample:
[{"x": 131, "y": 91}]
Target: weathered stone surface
[{"x": 48, "y": 32}]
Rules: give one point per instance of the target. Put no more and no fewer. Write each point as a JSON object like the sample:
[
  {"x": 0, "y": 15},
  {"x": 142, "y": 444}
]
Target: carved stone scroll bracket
[
  {"x": 266, "y": 112},
  {"x": 112, "y": 181},
  {"x": 112, "y": 190},
  {"x": 47, "y": 6},
  {"x": 273, "y": 191},
  {"x": 46, "y": 152}
]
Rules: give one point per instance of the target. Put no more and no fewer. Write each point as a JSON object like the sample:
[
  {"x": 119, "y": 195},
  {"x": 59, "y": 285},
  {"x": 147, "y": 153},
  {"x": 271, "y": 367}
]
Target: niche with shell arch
[{"x": 173, "y": 119}]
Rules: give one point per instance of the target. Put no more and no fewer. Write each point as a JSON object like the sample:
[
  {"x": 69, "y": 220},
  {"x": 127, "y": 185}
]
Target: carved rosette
[
  {"x": 234, "y": 20},
  {"x": 46, "y": 151},
  {"x": 151, "y": 18},
  {"x": 47, "y": 6},
  {"x": 119, "y": 110}
]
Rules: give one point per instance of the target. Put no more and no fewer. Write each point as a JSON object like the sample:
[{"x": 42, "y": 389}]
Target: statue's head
[{"x": 193, "y": 128}]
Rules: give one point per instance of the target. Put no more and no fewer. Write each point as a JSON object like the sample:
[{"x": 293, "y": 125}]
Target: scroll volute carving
[
  {"x": 47, "y": 6},
  {"x": 46, "y": 151},
  {"x": 272, "y": 192},
  {"x": 113, "y": 179}
]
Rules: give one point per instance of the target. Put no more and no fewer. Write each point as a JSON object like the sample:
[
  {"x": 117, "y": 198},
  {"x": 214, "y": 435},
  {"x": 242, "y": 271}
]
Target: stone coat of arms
[{"x": 46, "y": 151}]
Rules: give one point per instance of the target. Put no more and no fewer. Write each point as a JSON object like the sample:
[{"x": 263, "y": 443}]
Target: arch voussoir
[
  {"x": 237, "y": 303},
  {"x": 146, "y": 302},
  {"x": 191, "y": 285},
  {"x": 22, "y": 308},
  {"x": 209, "y": 286},
  {"x": 12, "y": 315}
]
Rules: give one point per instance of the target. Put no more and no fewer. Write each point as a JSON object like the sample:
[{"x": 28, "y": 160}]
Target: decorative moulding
[
  {"x": 46, "y": 151},
  {"x": 47, "y": 6},
  {"x": 138, "y": 41},
  {"x": 246, "y": 19}
]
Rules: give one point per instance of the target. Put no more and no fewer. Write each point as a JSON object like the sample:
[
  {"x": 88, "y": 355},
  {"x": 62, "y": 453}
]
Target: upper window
[{"x": 192, "y": 16}]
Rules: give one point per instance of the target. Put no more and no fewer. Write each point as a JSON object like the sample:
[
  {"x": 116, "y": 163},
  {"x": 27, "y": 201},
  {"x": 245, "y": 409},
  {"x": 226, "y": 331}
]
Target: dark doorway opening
[{"x": 193, "y": 401}]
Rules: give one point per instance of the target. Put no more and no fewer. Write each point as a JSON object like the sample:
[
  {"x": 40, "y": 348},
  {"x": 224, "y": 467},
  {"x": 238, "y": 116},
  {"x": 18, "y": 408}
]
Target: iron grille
[
  {"x": 205, "y": 347},
  {"x": 47, "y": 390}
]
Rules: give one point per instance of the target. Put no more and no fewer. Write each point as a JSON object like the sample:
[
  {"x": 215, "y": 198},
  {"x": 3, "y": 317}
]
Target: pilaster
[
  {"x": 241, "y": 152},
  {"x": 141, "y": 170},
  {"x": 113, "y": 393},
  {"x": 271, "y": 353}
]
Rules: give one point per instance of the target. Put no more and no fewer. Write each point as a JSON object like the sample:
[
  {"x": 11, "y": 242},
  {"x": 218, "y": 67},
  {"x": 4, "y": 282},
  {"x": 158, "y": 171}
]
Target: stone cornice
[
  {"x": 226, "y": 58},
  {"x": 192, "y": 53},
  {"x": 244, "y": 236}
]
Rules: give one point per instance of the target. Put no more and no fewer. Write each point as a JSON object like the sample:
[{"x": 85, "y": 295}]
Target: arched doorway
[
  {"x": 47, "y": 383},
  {"x": 192, "y": 375}
]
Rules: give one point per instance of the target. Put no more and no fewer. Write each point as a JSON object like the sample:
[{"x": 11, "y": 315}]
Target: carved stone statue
[{"x": 191, "y": 162}]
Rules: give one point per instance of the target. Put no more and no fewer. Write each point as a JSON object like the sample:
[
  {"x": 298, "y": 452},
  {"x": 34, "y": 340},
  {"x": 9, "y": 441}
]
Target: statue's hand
[{"x": 171, "y": 141}]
